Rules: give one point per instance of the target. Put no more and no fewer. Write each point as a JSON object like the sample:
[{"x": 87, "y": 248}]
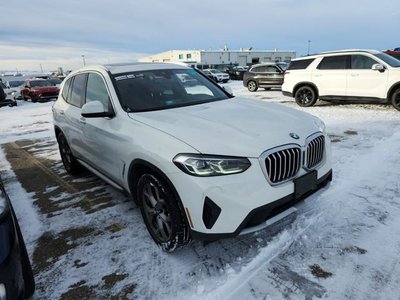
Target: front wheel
[
  {"x": 396, "y": 99},
  {"x": 161, "y": 213},
  {"x": 70, "y": 163},
  {"x": 252, "y": 86},
  {"x": 305, "y": 96}
]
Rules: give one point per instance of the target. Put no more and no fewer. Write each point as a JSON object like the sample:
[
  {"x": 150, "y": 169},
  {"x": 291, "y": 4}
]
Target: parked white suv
[
  {"x": 199, "y": 162},
  {"x": 348, "y": 75},
  {"x": 218, "y": 75}
]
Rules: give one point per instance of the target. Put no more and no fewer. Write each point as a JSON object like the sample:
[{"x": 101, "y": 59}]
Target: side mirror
[
  {"x": 378, "y": 67},
  {"x": 228, "y": 89},
  {"x": 95, "y": 109}
]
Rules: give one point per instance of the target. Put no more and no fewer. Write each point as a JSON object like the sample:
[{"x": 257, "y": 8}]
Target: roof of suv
[
  {"x": 338, "y": 52},
  {"x": 132, "y": 67}
]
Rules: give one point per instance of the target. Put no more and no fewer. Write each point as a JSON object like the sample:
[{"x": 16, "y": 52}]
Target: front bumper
[
  {"x": 8, "y": 102},
  {"x": 261, "y": 214},
  {"x": 288, "y": 94},
  {"x": 223, "y": 206}
]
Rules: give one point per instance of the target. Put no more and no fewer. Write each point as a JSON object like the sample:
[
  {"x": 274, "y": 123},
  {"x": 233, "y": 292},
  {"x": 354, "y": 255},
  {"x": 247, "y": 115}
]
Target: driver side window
[{"x": 96, "y": 90}]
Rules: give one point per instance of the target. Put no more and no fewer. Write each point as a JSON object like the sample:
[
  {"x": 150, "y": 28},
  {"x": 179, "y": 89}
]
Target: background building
[{"x": 215, "y": 58}]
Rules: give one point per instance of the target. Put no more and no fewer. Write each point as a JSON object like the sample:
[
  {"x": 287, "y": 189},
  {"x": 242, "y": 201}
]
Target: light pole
[
  {"x": 309, "y": 44},
  {"x": 83, "y": 58}
]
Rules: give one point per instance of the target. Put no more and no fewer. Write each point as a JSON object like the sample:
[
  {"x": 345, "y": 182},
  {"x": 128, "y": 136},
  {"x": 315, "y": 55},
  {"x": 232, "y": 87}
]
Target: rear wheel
[
  {"x": 396, "y": 99},
  {"x": 252, "y": 86},
  {"x": 161, "y": 213},
  {"x": 70, "y": 163},
  {"x": 305, "y": 96}
]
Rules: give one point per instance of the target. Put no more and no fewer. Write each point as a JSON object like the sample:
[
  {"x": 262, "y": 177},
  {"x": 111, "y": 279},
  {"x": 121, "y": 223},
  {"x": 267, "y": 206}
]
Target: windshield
[
  {"x": 214, "y": 71},
  {"x": 391, "y": 61},
  {"x": 395, "y": 55},
  {"x": 54, "y": 81},
  {"x": 283, "y": 66},
  {"x": 163, "y": 89},
  {"x": 13, "y": 84},
  {"x": 40, "y": 83}
]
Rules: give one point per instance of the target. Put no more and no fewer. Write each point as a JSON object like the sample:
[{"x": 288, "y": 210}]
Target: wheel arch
[
  {"x": 392, "y": 89},
  {"x": 305, "y": 83},
  {"x": 137, "y": 168},
  {"x": 57, "y": 131}
]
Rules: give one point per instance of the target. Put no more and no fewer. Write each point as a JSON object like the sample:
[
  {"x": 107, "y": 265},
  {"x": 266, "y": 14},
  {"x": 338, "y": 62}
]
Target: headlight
[{"x": 210, "y": 165}]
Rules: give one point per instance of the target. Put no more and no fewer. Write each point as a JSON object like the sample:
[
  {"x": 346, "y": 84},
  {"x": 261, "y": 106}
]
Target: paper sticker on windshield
[{"x": 128, "y": 76}]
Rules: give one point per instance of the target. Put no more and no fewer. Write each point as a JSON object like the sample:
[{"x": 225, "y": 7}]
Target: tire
[
  {"x": 71, "y": 165},
  {"x": 161, "y": 213},
  {"x": 27, "y": 273},
  {"x": 252, "y": 86},
  {"x": 305, "y": 96},
  {"x": 396, "y": 99}
]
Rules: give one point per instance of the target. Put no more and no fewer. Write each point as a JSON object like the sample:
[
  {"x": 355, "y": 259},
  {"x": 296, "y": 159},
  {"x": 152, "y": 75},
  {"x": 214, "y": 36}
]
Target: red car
[
  {"x": 395, "y": 53},
  {"x": 39, "y": 90}
]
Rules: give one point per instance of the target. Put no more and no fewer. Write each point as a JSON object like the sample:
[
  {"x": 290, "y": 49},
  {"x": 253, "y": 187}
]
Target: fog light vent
[{"x": 211, "y": 213}]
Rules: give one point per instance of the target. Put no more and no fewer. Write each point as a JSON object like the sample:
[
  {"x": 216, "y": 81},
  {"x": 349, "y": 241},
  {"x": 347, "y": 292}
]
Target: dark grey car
[{"x": 263, "y": 76}]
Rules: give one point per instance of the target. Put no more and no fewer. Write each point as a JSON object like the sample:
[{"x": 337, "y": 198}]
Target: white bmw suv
[
  {"x": 199, "y": 162},
  {"x": 349, "y": 75}
]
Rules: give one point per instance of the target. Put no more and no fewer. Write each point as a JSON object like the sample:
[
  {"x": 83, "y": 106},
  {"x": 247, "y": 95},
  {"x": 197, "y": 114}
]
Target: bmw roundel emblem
[{"x": 294, "y": 135}]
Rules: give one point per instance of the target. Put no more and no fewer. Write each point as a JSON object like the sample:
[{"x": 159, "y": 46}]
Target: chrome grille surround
[
  {"x": 282, "y": 163},
  {"x": 315, "y": 149}
]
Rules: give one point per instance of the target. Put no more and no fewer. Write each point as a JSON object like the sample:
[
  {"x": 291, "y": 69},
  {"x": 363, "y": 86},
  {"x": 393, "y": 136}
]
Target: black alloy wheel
[
  {"x": 161, "y": 213},
  {"x": 252, "y": 86},
  {"x": 70, "y": 163},
  {"x": 396, "y": 99},
  {"x": 305, "y": 96}
]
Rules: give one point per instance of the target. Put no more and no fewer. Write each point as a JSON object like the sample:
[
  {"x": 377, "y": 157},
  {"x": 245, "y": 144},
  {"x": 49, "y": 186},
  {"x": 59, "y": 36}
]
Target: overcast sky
[{"x": 58, "y": 32}]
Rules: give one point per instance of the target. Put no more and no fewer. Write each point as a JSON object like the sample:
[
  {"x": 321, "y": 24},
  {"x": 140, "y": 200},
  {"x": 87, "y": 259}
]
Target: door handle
[
  {"x": 61, "y": 112},
  {"x": 318, "y": 75},
  {"x": 354, "y": 75},
  {"x": 82, "y": 120}
]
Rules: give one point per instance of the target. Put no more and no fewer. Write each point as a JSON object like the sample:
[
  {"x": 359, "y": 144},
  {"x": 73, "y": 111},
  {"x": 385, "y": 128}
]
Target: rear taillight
[{"x": 284, "y": 74}]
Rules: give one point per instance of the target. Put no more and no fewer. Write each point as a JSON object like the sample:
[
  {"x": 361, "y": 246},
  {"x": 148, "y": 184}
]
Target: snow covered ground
[{"x": 88, "y": 241}]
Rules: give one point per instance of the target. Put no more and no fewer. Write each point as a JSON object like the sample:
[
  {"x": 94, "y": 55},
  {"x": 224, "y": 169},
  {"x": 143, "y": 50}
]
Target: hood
[{"x": 235, "y": 127}]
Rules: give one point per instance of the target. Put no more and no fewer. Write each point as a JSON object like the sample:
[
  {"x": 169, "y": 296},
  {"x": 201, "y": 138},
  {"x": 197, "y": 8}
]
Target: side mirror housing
[
  {"x": 95, "y": 109},
  {"x": 378, "y": 67}
]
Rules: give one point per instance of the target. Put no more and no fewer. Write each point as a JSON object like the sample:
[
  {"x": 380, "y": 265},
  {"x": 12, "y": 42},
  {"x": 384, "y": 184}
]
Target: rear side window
[
  {"x": 66, "y": 89},
  {"x": 362, "y": 62},
  {"x": 338, "y": 62},
  {"x": 300, "y": 64},
  {"x": 259, "y": 69},
  {"x": 78, "y": 90},
  {"x": 272, "y": 69}
]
